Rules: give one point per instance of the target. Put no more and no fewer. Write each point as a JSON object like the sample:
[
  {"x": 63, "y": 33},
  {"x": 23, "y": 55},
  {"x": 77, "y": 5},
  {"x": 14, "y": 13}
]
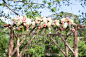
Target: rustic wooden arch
[{"x": 12, "y": 35}]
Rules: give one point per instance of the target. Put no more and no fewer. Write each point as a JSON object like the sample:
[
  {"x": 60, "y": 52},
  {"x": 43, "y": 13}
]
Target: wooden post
[
  {"x": 11, "y": 42},
  {"x": 66, "y": 49},
  {"x": 75, "y": 42},
  {"x": 18, "y": 47}
]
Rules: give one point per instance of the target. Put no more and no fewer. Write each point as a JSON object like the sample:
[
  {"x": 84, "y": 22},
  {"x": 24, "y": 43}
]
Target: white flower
[
  {"x": 71, "y": 21},
  {"x": 57, "y": 23},
  {"x": 21, "y": 17},
  {"x": 41, "y": 25},
  {"x": 49, "y": 24},
  {"x": 49, "y": 19},
  {"x": 63, "y": 19},
  {"x": 33, "y": 23},
  {"x": 38, "y": 20},
  {"x": 14, "y": 28},
  {"x": 45, "y": 20},
  {"x": 19, "y": 23},
  {"x": 65, "y": 25},
  {"x": 28, "y": 21}
]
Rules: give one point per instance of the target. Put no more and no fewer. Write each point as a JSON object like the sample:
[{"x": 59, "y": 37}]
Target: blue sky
[{"x": 72, "y": 8}]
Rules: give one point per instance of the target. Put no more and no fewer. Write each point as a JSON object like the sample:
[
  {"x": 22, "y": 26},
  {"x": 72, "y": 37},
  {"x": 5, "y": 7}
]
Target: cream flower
[
  {"x": 65, "y": 25},
  {"x": 21, "y": 17},
  {"x": 63, "y": 20},
  {"x": 28, "y": 21},
  {"x": 33, "y": 23},
  {"x": 45, "y": 20},
  {"x": 41, "y": 25},
  {"x": 70, "y": 21},
  {"x": 38, "y": 20},
  {"x": 49, "y": 19},
  {"x": 49, "y": 24},
  {"x": 18, "y": 23},
  {"x": 57, "y": 23}
]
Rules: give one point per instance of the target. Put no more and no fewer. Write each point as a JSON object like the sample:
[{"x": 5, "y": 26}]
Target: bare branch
[
  {"x": 10, "y": 8},
  {"x": 37, "y": 4}
]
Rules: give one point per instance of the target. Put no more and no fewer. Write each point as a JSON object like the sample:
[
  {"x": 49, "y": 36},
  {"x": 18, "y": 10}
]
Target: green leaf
[
  {"x": 58, "y": 0},
  {"x": 31, "y": 4},
  {"x": 23, "y": 0},
  {"x": 44, "y": 1},
  {"x": 25, "y": 3},
  {"x": 19, "y": 8},
  {"x": 53, "y": 9},
  {"x": 3, "y": 4},
  {"x": 49, "y": 4}
]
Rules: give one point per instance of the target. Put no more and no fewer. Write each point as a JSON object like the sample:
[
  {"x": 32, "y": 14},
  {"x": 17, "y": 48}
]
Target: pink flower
[
  {"x": 69, "y": 22},
  {"x": 41, "y": 17},
  {"x": 47, "y": 19},
  {"x": 25, "y": 17},
  {"x": 35, "y": 21},
  {"x": 67, "y": 18},
  {"x": 39, "y": 27},
  {"x": 73, "y": 30},
  {"x": 27, "y": 25},
  {"x": 55, "y": 23},
  {"x": 19, "y": 29},
  {"x": 23, "y": 20},
  {"x": 62, "y": 22},
  {"x": 14, "y": 21},
  {"x": 61, "y": 28},
  {"x": 18, "y": 19},
  {"x": 18, "y": 16},
  {"x": 44, "y": 25}
]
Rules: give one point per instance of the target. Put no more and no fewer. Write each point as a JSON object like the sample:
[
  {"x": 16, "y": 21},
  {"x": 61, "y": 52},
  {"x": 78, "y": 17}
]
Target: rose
[
  {"x": 19, "y": 29},
  {"x": 14, "y": 21},
  {"x": 73, "y": 30},
  {"x": 44, "y": 25},
  {"x": 39, "y": 27},
  {"x": 67, "y": 18},
  {"x": 63, "y": 20},
  {"x": 61, "y": 28}
]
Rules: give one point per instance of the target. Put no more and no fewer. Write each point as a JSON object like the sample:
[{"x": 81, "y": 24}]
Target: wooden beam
[
  {"x": 22, "y": 41},
  {"x": 56, "y": 44},
  {"x": 66, "y": 43},
  {"x": 27, "y": 45},
  {"x": 17, "y": 47},
  {"x": 75, "y": 42},
  {"x": 11, "y": 42},
  {"x": 66, "y": 49}
]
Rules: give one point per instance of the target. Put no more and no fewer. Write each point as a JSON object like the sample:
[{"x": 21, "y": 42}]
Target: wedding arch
[{"x": 22, "y": 23}]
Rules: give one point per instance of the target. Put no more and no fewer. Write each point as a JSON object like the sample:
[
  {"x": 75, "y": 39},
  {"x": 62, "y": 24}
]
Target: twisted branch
[{"x": 10, "y": 8}]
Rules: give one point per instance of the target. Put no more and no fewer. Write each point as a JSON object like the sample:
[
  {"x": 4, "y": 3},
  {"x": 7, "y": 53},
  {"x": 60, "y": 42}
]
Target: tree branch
[
  {"x": 38, "y": 4},
  {"x": 10, "y": 8}
]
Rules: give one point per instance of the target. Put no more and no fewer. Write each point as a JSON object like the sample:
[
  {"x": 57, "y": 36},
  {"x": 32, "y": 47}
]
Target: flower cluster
[
  {"x": 64, "y": 23},
  {"x": 42, "y": 22}
]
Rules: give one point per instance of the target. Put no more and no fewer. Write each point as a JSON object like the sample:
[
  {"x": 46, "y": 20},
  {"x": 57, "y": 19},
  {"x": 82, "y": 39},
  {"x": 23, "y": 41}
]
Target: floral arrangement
[{"x": 42, "y": 22}]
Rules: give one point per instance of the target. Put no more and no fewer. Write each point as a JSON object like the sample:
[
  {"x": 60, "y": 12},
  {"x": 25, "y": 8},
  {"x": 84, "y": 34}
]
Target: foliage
[{"x": 41, "y": 44}]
